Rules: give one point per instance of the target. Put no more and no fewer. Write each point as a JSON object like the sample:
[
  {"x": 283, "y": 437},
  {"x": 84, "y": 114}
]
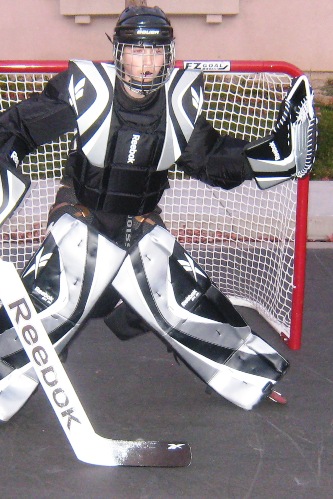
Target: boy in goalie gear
[{"x": 133, "y": 120}]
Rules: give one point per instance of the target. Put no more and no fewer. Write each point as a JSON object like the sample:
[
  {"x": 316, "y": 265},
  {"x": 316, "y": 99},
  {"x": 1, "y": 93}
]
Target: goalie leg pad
[
  {"x": 163, "y": 284},
  {"x": 64, "y": 279}
]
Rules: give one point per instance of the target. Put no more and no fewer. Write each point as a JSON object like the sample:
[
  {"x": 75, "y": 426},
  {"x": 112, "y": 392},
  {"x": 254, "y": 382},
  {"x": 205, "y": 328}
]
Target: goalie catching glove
[{"x": 289, "y": 151}]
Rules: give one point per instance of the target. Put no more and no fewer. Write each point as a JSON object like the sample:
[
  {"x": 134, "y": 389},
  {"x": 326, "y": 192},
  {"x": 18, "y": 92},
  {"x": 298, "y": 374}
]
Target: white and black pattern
[
  {"x": 180, "y": 303},
  {"x": 64, "y": 279},
  {"x": 75, "y": 283},
  {"x": 304, "y": 128},
  {"x": 184, "y": 99},
  {"x": 89, "y": 446},
  {"x": 290, "y": 150},
  {"x": 13, "y": 187},
  {"x": 65, "y": 284},
  {"x": 121, "y": 164},
  {"x": 91, "y": 91}
]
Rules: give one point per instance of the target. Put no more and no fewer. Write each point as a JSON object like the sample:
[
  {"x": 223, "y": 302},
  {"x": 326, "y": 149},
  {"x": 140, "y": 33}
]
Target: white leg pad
[
  {"x": 66, "y": 277},
  {"x": 176, "y": 298}
]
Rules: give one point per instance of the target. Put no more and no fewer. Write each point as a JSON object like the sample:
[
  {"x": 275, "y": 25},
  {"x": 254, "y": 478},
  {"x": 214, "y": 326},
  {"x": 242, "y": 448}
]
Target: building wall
[{"x": 297, "y": 31}]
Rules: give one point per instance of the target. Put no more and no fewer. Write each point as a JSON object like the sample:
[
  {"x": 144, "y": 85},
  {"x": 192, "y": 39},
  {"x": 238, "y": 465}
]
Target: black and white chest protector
[{"x": 125, "y": 146}]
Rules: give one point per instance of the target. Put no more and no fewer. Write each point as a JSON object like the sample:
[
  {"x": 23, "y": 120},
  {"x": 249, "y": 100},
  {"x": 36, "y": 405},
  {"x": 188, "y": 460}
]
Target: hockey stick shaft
[{"x": 87, "y": 445}]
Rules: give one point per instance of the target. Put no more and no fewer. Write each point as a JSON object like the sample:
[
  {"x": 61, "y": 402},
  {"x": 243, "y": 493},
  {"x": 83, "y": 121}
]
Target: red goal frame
[{"x": 294, "y": 340}]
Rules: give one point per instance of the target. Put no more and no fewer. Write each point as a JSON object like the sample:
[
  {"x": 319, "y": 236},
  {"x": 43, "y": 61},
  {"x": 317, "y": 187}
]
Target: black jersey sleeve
[
  {"x": 215, "y": 159},
  {"x": 39, "y": 119}
]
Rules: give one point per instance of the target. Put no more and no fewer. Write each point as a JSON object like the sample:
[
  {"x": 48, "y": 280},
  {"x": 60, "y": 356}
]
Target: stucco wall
[{"x": 297, "y": 31}]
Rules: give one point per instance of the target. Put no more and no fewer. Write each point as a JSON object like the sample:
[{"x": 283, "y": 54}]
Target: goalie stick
[{"x": 86, "y": 443}]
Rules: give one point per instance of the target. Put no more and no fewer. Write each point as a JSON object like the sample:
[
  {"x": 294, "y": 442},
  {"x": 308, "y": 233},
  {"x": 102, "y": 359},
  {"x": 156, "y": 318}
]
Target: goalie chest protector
[{"x": 122, "y": 159}]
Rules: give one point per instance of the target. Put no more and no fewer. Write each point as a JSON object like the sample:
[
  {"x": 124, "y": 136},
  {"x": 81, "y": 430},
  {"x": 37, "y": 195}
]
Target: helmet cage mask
[
  {"x": 146, "y": 31},
  {"x": 139, "y": 74}
]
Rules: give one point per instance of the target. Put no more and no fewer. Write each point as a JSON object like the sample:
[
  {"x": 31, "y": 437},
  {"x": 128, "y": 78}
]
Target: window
[{"x": 213, "y": 10}]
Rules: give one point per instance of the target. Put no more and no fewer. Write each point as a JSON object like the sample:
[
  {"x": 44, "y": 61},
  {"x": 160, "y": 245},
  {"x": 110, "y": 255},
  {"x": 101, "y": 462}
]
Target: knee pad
[{"x": 163, "y": 284}]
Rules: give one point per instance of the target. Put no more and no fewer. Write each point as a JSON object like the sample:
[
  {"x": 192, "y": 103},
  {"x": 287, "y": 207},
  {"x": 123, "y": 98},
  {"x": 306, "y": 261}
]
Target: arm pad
[{"x": 13, "y": 187}]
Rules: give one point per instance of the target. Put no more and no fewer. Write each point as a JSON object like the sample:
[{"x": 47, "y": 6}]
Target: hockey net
[{"x": 251, "y": 243}]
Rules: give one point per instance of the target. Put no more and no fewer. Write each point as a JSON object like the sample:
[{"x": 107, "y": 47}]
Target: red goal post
[{"x": 252, "y": 243}]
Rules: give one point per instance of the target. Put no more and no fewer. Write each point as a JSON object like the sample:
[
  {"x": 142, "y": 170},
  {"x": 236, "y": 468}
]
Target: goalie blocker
[
  {"x": 289, "y": 152},
  {"x": 162, "y": 283}
]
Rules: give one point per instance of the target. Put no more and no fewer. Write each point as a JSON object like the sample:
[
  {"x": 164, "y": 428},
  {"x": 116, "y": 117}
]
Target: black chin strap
[{"x": 139, "y": 87}]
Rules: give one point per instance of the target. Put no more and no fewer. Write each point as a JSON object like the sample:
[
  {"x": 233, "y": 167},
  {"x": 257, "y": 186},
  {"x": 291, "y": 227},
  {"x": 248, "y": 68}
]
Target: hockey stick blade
[
  {"x": 88, "y": 446},
  {"x": 151, "y": 453}
]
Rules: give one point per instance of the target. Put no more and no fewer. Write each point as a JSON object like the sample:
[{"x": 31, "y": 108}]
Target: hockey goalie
[{"x": 107, "y": 252}]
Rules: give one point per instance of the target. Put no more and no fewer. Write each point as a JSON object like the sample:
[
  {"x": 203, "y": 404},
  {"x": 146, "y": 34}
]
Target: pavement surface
[{"x": 136, "y": 389}]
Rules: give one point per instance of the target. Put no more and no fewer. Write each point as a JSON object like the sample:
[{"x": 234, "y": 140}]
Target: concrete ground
[
  {"x": 320, "y": 215},
  {"x": 136, "y": 390}
]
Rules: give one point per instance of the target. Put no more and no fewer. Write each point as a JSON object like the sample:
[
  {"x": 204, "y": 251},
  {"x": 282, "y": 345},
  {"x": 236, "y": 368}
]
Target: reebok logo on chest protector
[{"x": 133, "y": 148}]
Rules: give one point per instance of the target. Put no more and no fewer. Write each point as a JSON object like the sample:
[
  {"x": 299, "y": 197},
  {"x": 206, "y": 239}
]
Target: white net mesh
[{"x": 243, "y": 238}]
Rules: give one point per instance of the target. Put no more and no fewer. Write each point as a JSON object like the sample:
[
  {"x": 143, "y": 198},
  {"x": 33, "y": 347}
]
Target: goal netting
[{"x": 250, "y": 242}]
